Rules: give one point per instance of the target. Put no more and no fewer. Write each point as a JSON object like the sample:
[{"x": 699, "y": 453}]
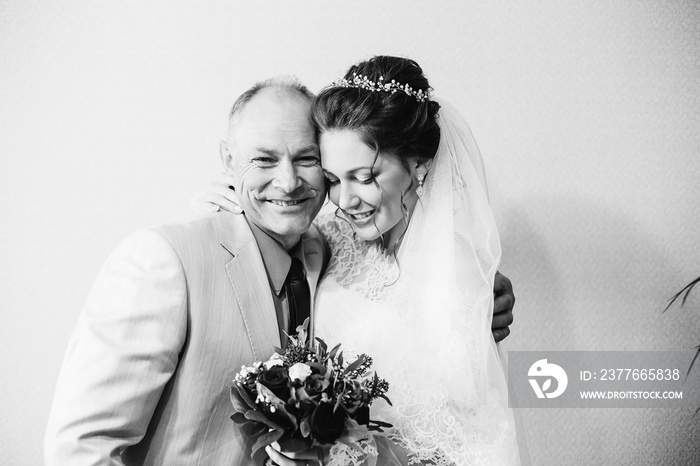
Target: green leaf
[
  {"x": 258, "y": 429},
  {"x": 282, "y": 408},
  {"x": 322, "y": 344},
  {"x": 305, "y": 425},
  {"x": 381, "y": 423},
  {"x": 260, "y": 417},
  {"x": 239, "y": 418},
  {"x": 267, "y": 439},
  {"x": 334, "y": 351},
  {"x": 245, "y": 396},
  {"x": 294, "y": 444},
  {"x": 355, "y": 364},
  {"x": 238, "y": 403},
  {"x": 241, "y": 400},
  {"x": 337, "y": 403},
  {"x": 319, "y": 367},
  {"x": 353, "y": 431}
]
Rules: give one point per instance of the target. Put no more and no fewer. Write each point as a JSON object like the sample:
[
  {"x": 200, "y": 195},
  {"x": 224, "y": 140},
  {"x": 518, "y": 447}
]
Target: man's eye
[
  {"x": 264, "y": 161},
  {"x": 308, "y": 161}
]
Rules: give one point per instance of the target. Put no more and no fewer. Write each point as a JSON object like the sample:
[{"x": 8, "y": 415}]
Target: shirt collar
[{"x": 276, "y": 258}]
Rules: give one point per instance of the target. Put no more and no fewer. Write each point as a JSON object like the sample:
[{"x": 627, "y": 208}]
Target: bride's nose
[{"x": 348, "y": 199}]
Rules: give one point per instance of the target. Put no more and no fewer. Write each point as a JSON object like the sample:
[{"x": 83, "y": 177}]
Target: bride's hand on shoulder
[
  {"x": 503, "y": 302},
  {"x": 219, "y": 196}
]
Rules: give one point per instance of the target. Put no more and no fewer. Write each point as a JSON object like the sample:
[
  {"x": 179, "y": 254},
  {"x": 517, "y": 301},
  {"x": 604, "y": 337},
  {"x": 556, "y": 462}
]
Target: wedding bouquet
[{"x": 306, "y": 396}]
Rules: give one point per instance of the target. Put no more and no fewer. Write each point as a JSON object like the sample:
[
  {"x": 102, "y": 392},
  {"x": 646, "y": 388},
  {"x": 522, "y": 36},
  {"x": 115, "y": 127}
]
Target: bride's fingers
[
  {"x": 227, "y": 192},
  {"x": 213, "y": 202},
  {"x": 282, "y": 460},
  {"x": 308, "y": 456}
]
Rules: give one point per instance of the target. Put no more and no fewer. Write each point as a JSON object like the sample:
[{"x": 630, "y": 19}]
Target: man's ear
[{"x": 226, "y": 157}]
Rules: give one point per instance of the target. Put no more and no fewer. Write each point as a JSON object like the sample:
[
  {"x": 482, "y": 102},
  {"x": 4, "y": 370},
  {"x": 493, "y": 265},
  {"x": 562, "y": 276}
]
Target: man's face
[{"x": 273, "y": 154}]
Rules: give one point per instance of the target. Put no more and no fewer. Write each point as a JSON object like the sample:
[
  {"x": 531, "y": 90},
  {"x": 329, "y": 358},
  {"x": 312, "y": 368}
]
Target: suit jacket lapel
[{"x": 248, "y": 278}]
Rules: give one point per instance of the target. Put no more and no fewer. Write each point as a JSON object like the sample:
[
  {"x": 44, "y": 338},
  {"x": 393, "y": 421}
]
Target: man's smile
[{"x": 289, "y": 203}]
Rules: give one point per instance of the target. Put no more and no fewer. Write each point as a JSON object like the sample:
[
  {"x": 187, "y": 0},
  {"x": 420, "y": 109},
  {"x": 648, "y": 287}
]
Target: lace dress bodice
[{"x": 363, "y": 304}]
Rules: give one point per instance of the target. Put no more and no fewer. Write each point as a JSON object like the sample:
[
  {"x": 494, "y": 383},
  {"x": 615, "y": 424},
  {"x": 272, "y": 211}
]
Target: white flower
[
  {"x": 299, "y": 371},
  {"x": 275, "y": 360},
  {"x": 245, "y": 371}
]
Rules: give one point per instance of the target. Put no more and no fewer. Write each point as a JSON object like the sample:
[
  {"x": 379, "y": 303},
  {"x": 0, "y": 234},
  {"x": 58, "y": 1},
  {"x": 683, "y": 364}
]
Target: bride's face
[{"x": 374, "y": 192}]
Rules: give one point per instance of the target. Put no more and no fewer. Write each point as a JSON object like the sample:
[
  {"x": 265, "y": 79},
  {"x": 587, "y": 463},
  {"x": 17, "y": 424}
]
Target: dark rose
[
  {"x": 353, "y": 396},
  {"x": 362, "y": 415},
  {"x": 326, "y": 425},
  {"x": 314, "y": 385},
  {"x": 275, "y": 378},
  {"x": 308, "y": 394}
]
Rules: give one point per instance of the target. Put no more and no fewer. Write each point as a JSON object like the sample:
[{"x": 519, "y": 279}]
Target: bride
[{"x": 414, "y": 244}]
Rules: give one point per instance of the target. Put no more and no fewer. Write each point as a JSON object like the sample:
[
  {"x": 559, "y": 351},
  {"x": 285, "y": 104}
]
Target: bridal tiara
[{"x": 363, "y": 82}]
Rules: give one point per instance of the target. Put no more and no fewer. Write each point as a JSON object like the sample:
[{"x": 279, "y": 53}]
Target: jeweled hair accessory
[{"x": 363, "y": 82}]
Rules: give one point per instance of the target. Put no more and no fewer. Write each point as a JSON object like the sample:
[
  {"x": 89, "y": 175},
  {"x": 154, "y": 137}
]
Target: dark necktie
[{"x": 298, "y": 295}]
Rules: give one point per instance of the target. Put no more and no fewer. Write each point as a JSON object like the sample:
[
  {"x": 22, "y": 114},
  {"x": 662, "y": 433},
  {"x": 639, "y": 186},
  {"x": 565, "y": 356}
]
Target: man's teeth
[
  {"x": 362, "y": 215},
  {"x": 286, "y": 203}
]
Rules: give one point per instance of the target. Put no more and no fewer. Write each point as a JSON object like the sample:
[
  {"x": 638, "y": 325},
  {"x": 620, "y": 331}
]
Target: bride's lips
[{"x": 361, "y": 218}]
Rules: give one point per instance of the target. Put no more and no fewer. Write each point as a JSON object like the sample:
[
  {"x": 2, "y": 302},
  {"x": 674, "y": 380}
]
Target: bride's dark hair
[{"x": 398, "y": 123}]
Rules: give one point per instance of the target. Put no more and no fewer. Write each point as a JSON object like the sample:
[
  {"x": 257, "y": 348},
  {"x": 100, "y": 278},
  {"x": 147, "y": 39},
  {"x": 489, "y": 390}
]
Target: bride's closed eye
[{"x": 332, "y": 180}]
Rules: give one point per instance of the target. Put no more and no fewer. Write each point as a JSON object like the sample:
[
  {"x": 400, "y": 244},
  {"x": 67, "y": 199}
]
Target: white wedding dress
[{"x": 424, "y": 317}]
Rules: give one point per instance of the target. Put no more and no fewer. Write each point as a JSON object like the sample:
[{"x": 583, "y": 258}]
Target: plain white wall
[{"x": 588, "y": 114}]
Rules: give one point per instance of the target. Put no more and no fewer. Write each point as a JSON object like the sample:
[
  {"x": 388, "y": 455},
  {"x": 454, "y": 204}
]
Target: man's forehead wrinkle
[
  {"x": 275, "y": 121},
  {"x": 294, "y": 151}
]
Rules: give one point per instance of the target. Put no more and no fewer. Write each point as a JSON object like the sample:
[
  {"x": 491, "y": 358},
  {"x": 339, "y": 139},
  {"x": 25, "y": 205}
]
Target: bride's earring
[{"x": 419, "y": 189}]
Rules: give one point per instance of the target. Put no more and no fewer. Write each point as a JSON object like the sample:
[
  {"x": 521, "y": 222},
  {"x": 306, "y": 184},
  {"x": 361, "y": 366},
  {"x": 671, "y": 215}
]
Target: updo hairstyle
[{"x": 394, "y": 123}]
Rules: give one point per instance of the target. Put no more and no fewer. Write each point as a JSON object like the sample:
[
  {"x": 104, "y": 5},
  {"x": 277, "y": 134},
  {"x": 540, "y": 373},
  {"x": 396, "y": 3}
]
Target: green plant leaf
[
  {"x": 244, "y": 396},
  {"x": 260, "y": 417},
  {"x": 266, "y": 439},
  {"x": 319, "y": 367},
  {"x": 361, "y": 359},
  {"x": 322, "y": 344},
  {"x": 239, "y": 418},
  {"x": 305, "y": 425},
  {"x": 353, "y": 432},
  {"x": 334, "y": 351}
]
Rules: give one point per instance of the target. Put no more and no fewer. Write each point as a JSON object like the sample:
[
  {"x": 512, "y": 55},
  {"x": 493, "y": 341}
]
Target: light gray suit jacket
[{"x": 173, "y": 315}]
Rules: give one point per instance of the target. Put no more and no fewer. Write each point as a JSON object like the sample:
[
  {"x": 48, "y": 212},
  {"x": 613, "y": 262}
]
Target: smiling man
[
  {"x": 273, "y": 155},
  {"x": 178, "y": 309}
]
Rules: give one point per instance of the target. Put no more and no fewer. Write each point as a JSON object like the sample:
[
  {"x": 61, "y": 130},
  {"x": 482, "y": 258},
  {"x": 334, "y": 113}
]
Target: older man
[{"x": 176, "y": 310}]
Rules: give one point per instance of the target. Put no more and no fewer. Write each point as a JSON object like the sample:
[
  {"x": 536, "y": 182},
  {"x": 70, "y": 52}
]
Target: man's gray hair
[{"x": 289, "y": 83}]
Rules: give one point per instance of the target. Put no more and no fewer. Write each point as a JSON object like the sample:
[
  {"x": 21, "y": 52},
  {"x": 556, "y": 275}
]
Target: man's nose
[{"x": 286, "y": 177}]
